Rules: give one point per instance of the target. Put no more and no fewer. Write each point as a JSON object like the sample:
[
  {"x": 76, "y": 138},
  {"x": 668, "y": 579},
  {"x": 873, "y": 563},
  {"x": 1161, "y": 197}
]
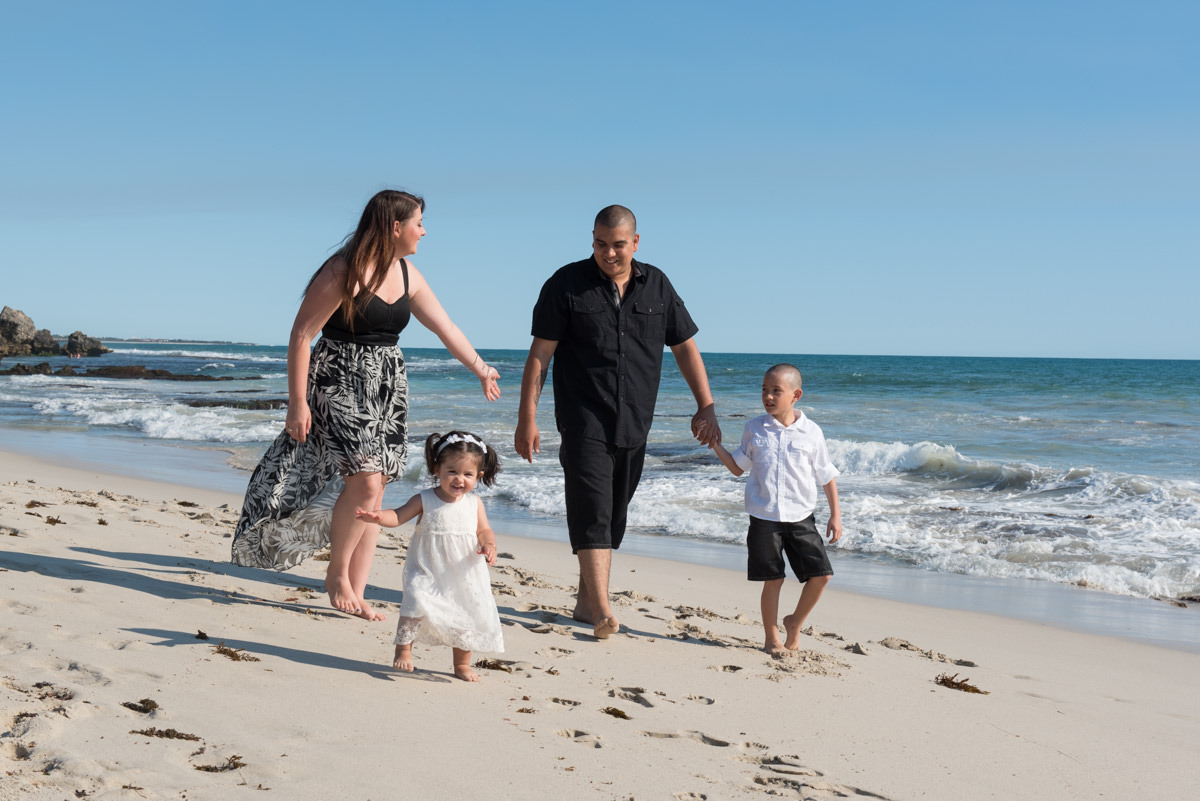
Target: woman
[{"x": 346, "y": 433}]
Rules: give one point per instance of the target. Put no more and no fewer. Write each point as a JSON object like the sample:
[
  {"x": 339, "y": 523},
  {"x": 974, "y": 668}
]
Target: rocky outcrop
[
  {"x": 121, "y": 371},
  {"x": 16, "y": 332},
  {"x": 80, "y": 344},
  {"x": 258, "y": 404},
  {"x": 20, "y": 337},
  {"x": 45, "y": 344}
]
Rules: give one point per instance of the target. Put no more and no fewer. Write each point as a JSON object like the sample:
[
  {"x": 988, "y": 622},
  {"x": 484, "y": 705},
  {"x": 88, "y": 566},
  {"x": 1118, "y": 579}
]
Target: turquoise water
[{"x": 1076, "y": 472}]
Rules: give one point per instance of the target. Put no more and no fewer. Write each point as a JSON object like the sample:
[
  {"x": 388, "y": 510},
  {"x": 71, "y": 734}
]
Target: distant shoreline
[{"x": 148, "y": 341}]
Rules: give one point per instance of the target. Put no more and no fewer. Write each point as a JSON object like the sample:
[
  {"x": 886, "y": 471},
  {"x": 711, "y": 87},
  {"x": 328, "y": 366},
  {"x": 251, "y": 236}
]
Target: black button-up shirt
[{"x": 608, "y": 361}]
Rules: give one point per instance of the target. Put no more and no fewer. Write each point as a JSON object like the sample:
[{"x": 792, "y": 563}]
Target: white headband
[{"x": 453, "y": 438}]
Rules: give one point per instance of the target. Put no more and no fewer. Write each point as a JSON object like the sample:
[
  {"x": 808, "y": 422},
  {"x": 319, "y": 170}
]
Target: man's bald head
[{"x": 616, "y": 217}]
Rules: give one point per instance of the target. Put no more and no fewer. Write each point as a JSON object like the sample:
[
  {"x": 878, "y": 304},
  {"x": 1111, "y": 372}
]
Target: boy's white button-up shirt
[{"x": 786, "y": 465}]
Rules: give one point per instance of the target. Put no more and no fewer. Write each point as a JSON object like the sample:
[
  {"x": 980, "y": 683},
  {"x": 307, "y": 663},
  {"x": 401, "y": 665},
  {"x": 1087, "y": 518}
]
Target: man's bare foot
[
  {"x": 403, "y": 658},
  {"x": 342, "y": 597},
  {"x": 582, "y": 614},
  {"x": 465, "y": 673},
  {"x": 792, "y": 627},
  {"x": 606, "y": 628}
]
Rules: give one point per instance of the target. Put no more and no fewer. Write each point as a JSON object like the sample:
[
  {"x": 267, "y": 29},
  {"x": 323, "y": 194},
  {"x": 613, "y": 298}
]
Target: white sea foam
[
  {"x": 170, "y": 421},
  {"x": 202, "y": 354}
]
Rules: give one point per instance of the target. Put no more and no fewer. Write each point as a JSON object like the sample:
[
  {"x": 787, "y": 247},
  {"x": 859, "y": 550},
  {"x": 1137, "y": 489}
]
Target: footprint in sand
[
  {"x": 698, "y": 736},
  {"x": 634, "y": 694},
  {"x": 700, "y": 699},
  {"x": 555, "y": 651},
  {"x": 897, "y": 644},
  {"x": 812, "y": 663},
  {"x": 581, "y": 737},
  {"x": 809, "y": 782}
]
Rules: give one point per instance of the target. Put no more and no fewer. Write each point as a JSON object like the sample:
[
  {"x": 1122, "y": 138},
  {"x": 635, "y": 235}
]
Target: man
[{"x": 604, "y": 321}]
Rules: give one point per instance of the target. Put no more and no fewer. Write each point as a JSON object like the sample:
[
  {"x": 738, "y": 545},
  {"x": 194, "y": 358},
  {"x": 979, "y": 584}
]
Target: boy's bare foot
[
  {"x": 774, "y": 647},
  {"x": 606, "y": 628},
  {"x": 465, "y": 673},
  {"x": 403, "y": 658},
  {"x": 342, "y": 597},
  {"x": 792, "y": 627}
]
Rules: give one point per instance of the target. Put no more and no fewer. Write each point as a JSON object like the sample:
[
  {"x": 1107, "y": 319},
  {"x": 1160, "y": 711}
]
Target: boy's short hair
[{"x": 791, "y": 371}]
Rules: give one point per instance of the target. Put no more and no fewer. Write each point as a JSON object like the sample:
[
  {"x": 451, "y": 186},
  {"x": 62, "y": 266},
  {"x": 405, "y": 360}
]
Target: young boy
[{"x": 787, "y": 458}]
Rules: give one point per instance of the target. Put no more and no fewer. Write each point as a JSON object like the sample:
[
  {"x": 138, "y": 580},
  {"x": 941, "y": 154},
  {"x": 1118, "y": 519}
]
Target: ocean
[{"x": 1072, "y": 473}]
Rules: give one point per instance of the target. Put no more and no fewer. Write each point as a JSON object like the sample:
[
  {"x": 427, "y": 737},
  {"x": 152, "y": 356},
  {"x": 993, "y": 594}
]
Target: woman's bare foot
[
  {"x": 342, "y": 597},
  {"x": 368, "y": 612},
  {"x": 606, "y": 628},
  {"x": 465, "y": 673},
  {"x": 403, "y": 658},
  {"x": 792, "y": 627}
]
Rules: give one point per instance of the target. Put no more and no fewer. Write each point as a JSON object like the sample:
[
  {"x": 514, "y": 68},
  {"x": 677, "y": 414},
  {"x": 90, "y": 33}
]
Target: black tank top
[{"x": 376, "y": 323}]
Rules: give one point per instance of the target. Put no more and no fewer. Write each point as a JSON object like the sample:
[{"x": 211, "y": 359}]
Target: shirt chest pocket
[
  {"x": 591, "y": 321},
  {"x": 799, "y": 451},
  {"x": 650, "y": 320}
]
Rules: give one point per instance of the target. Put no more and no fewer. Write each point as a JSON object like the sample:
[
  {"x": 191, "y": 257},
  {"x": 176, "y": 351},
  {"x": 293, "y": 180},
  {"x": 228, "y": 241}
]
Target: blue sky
[{"x": 933, "y": 178}]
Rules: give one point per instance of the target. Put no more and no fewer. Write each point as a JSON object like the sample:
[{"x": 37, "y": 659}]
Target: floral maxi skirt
[{"x": 358, "y": 396}]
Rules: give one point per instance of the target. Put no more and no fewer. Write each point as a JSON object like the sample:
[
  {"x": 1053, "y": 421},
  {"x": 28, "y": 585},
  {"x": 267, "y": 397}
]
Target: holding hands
[{"x": 705, "y": 427}]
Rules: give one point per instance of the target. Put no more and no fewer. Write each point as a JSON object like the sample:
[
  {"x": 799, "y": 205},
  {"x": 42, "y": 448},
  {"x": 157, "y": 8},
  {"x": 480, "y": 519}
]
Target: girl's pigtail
[
  {"x": 489, "y": 466},
  {"x": 431, "y": 449}
]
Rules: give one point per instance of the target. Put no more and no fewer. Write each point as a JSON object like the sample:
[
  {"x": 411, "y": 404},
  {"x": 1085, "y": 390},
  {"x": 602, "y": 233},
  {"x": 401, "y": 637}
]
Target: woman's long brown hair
[{"x": 372, "y": 245}]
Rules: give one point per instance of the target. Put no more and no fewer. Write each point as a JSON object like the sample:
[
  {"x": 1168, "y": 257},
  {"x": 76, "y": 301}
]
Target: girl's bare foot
[
  {"x": 465, "y": 673},
  {"x": 792, "y": 627},
  {"x": 462, "y": 665},
  {"x": 403, "y": 658}
]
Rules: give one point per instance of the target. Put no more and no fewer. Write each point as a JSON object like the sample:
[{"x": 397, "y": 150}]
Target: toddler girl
[{"x": 447, "y": 592}]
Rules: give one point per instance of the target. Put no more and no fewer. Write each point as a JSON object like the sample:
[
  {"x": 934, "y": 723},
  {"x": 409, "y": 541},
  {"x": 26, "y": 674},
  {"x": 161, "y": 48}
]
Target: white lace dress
[{"x": 447, "y": 590}]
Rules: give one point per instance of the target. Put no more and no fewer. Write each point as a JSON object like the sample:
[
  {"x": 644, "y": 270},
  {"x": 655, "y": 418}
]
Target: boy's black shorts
[
  {"x": 600, "y": 480},
  {"x": 768, "y": 541}
]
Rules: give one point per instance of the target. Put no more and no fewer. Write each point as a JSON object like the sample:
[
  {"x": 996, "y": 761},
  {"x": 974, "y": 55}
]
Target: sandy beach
[{"x": 137, "y": 662}]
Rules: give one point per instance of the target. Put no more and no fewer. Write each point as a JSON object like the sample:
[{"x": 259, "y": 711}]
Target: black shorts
[
  {"x": 600, "y": 480},
  {"x": 768, "y": 542}
]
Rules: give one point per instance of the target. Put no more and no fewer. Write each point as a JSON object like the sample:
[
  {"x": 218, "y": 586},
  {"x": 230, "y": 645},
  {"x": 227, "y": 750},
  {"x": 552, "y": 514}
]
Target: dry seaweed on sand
[
  {"x": 236, "y": 654},
  {"x": 616, "y": 713},
  {"x": 955, "y": 683},
  {"x": 55, "y": 521},
  {"x": 493, "y": 664},
  {"x": 167, "y": 734},
  {"x": 145, "y": 706},
  {"x": 200, "y": 635},
  {"x": 188, "y": 504},
  {"x": 36, "y": 504},
  {"x": 50, "y": 691},
  {"x": 232, "y": 763}
]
